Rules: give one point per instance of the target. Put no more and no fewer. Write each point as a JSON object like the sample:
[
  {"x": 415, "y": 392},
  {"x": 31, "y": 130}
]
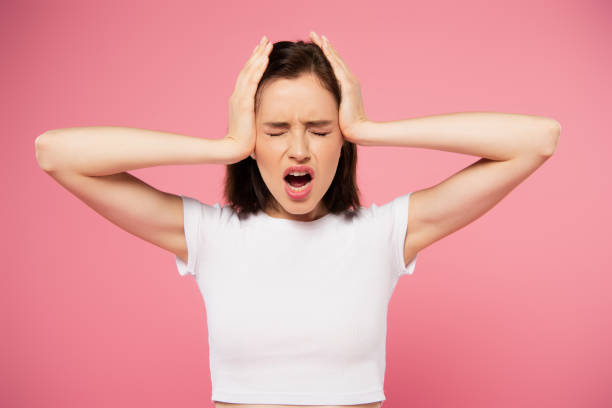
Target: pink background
[{"x": 511, "y": 311}]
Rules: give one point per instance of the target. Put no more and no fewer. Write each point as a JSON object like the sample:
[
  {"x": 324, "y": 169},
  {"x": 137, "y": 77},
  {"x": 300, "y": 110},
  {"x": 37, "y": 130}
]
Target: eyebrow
[{"x": 308, "y": 123}]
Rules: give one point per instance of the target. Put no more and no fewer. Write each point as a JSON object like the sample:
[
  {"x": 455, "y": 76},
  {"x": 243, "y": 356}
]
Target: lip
[
  {"x": 301, "y": 195},
  {"x": 308, "y": 169}
]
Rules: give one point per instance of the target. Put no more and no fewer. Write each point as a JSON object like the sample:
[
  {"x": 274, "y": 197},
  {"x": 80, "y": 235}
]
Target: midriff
[{"x": 218, "y": 404}]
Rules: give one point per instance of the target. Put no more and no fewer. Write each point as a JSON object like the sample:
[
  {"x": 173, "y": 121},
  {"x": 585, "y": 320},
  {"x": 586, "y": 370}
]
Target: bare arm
[
  {"x": 493, "y": 135},
  {"x": 105, "y": 150},
  {"x": 511, "y": 147},
  {"x": 92, "y": 164}
]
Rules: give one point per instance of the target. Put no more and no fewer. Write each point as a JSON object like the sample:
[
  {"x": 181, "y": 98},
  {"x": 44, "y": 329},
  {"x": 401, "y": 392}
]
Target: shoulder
[
  {"x": 390, "y": 209},
  {"x": 207, "y": 216}
]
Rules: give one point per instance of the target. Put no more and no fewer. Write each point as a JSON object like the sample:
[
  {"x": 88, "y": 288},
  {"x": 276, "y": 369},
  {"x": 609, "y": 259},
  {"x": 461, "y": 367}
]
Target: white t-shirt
[{"x": 296, "y": 310}]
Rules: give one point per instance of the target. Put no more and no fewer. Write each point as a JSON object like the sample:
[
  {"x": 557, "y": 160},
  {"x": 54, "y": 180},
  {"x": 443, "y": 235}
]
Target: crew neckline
[{"x": 296, "y": 223}]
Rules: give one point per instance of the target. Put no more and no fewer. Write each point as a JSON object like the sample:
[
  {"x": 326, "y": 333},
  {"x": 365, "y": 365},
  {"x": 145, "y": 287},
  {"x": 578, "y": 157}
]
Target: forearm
[
  {"x": 104, "y": 150},
  {"x": 497, "y": 136}
]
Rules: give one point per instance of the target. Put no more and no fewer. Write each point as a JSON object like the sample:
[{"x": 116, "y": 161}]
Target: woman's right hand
[{"x": 242, "y": 130}]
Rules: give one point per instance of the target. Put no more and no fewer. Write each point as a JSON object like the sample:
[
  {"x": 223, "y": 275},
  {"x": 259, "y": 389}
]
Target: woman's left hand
[{"x": 351, "y": 114}]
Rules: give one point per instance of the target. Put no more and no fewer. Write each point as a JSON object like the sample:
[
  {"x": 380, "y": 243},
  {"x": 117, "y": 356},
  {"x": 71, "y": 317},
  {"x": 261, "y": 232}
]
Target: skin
[
  {"x": 231, "y": 405},
  {"x": 511, "y": 147},
  {"x": 297, "y": 101},
  {"x": 93, "y": 162}
]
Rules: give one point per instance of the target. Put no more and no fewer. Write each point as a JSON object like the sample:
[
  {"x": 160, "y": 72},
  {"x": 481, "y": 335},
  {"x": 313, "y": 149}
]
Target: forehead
[{"x": 302, "y": 98}]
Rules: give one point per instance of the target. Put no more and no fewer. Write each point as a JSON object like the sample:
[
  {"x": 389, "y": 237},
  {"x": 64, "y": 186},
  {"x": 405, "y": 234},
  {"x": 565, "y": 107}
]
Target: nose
[{"x": 298, "y": 146}]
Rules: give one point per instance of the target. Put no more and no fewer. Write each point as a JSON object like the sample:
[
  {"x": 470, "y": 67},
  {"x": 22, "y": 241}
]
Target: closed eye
[{"x": 278, "y": 134}]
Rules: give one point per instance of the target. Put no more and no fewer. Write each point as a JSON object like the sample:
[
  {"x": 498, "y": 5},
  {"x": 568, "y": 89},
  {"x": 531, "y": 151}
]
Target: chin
[{"x": 299, "y": 207}]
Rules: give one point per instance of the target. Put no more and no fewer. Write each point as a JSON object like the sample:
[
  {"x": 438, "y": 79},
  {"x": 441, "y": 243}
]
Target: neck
[{"x": 319, "y": 212}]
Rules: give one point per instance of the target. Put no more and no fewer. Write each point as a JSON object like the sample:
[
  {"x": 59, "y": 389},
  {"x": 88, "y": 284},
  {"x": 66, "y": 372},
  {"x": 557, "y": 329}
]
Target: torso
[
  {"x": 218, "y": 404},
  {"x": 232, "y": 284}
]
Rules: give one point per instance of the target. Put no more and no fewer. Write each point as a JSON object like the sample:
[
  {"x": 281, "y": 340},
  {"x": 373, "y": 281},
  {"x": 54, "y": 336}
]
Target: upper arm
[
  {"x": 448, "y": 206},
  {"x": 132, "y": 205}
]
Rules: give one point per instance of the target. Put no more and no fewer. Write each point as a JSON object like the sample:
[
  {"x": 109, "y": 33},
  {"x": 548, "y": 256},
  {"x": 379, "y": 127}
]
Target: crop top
[{"x": 296, "y": 310}]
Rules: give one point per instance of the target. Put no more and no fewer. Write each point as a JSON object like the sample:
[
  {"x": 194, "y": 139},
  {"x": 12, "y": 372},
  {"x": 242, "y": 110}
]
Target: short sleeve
[
  {"x": 399, "y": 214},
  {"x": 198, "y": 220}
]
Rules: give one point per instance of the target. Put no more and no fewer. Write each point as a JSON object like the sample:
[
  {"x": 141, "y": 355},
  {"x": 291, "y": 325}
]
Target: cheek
[
  {"x": 268, "y": 160},
  {"x": 330, "y": 156},
  {"x": 268, "y": 146},
  {"x": 330, "y": 149}
]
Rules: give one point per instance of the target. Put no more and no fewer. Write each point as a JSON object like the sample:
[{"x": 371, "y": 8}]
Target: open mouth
[{"x": 298, "y": 183}]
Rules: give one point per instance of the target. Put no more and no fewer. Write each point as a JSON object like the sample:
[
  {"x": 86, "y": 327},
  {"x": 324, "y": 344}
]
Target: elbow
[
  {"x": 42, "y": 150},
  {"x": 551, "y": 138}
]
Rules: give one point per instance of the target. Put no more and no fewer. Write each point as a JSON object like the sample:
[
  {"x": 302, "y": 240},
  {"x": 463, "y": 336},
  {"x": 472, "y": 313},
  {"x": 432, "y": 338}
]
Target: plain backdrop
[{"x": 510, "y": 311}]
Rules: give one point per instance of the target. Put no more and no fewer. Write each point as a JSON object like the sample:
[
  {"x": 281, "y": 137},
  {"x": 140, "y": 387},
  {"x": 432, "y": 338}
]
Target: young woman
[{"x": 296, "y": 275}]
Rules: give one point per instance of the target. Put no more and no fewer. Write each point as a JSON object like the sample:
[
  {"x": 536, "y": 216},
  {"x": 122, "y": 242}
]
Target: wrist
[
  {"x": 233, "y": 150},
  {"x": 361, "y": 132}
]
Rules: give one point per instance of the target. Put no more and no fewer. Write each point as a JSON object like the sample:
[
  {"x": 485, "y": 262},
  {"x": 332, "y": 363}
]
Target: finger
[
  {"x": 328, "y": 51},
  {"x": 253, "y": 69},
  {"x": 338, "y": 67},
  {"x": 258, "y": 46},
  {"x": 258, "y": 65},
  {"x": 324, "y": 45},
  {"x": 316, "y": 39},
  {"x": 330, "y": 48},
  {"x": 259, "y": 50},
  {"x": 263, "y": 43},
  {"x": 261, "y": 56}
]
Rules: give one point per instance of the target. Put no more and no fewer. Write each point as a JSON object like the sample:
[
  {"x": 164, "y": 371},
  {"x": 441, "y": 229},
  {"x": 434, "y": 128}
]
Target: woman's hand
[
  {"x": 352, "y": 118},
  {"x": 242, "y": 130}
]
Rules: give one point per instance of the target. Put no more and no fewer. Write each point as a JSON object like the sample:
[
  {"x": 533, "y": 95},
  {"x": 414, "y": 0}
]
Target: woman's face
[{"x": 288, "y": 135}]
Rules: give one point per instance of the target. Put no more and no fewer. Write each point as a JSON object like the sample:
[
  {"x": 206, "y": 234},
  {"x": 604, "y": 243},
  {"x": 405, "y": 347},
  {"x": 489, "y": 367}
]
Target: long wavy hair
[{"x": 245, "y": 190}]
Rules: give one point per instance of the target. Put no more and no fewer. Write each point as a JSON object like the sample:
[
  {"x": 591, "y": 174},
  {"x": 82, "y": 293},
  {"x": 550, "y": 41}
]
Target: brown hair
[{"x": 245, "y": 190}]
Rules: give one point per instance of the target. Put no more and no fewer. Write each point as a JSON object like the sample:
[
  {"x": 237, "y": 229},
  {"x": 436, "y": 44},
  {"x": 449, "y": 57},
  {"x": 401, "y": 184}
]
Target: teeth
[
  {"x": 298, "y": 189},
  {"x": 300, "y": 173}
]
